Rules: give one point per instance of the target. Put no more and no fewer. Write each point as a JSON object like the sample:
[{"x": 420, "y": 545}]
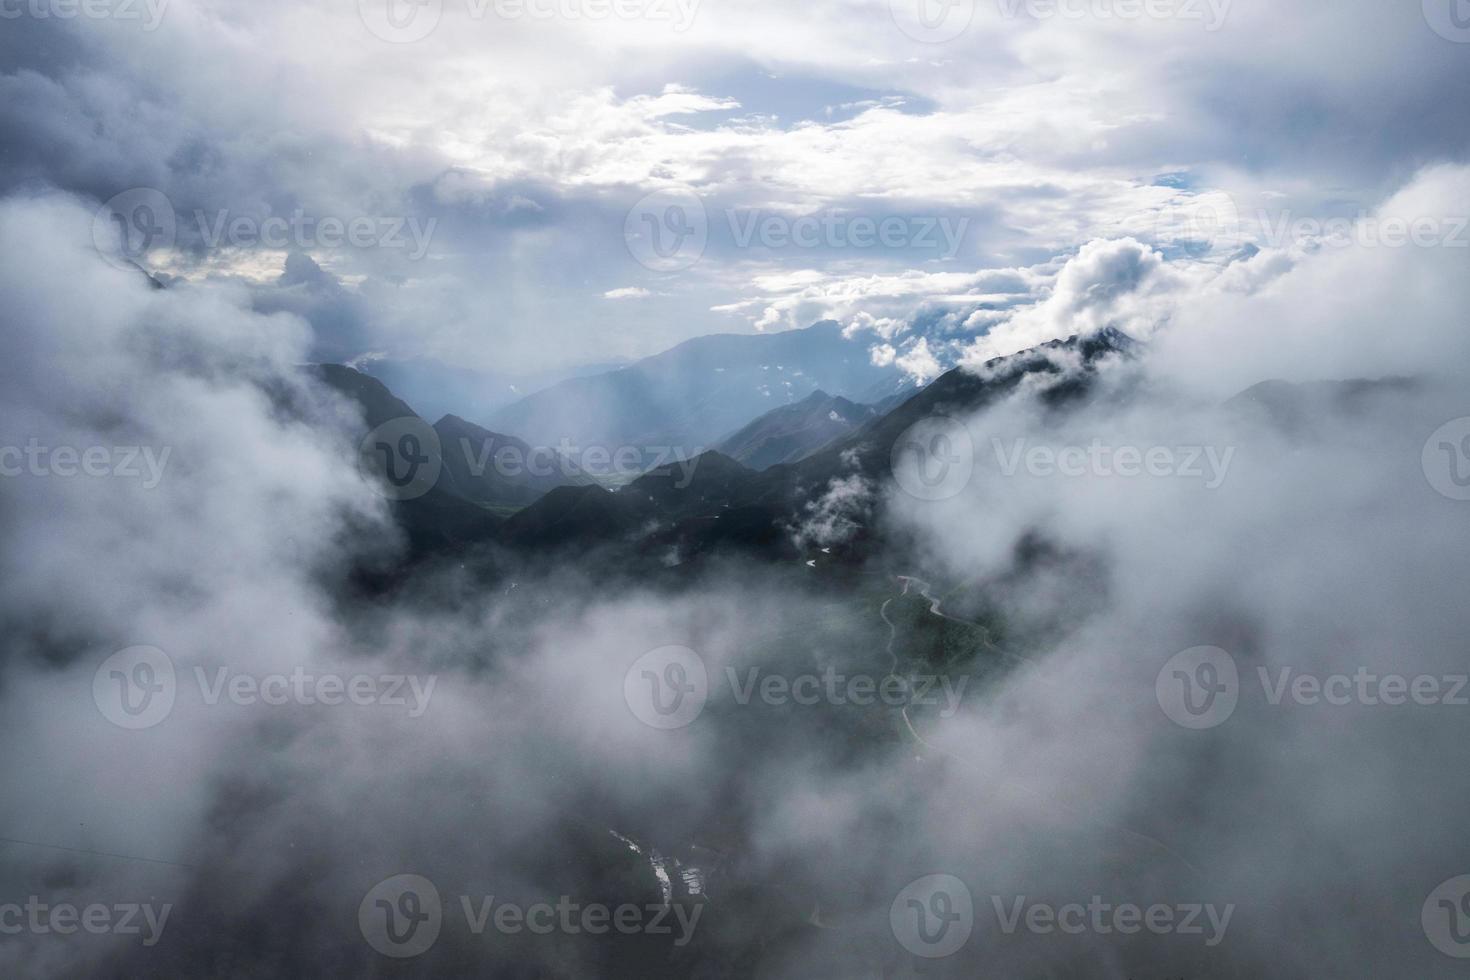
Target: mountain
[
  {"x": 867, "y": 452},
  {"x": 501, "y": 471},
  {"x": 445, "y": 515},
  {"x": 440, "y": 389},
  {"x": 1300, "y": 410},
  {"x": 693, "y": 395},
  {"x": 793, "y": 432},
  {"x": 592, "y": 514},
  {"x": 707, "y": 502},
  {"x": 712, "y": 501},
  {"x": 378, "y": 404}
]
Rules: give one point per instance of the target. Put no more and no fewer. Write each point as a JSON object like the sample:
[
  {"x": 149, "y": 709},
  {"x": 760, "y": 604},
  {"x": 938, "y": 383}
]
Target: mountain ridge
[{"x": 699, "y": 391}]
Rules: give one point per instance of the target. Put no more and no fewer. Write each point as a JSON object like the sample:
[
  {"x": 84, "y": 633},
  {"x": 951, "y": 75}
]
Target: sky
[
  {"x": 1261, "y": 191},
  {"x": 483, "y": 182}
]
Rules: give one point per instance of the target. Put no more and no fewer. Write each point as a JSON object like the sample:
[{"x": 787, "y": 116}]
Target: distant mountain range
[
  {"x": 694, "y": 395},
  {"x": 791, "y": 433},
  {"x": 702, "y": 504},
  {"x": 440, "y": 389},
  {"x": 476, "y": 487},
  {"x": 713, "y": 502}
]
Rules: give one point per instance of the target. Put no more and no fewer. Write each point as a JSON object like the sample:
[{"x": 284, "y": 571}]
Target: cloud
[
  {"x": 1045, "y": 133},
  {"x": 1105, "y": 284},
  {"x": 627, "y": 292},
  {"x": 916, "y": 361},
  {"x": 835, "y": 516}
]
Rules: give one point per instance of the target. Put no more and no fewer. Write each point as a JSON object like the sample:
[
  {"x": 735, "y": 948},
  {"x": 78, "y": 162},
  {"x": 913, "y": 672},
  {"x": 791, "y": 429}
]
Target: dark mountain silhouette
[
  {"x": 713, "y": 502},
  {"x": 708, "y": 502},
  {"x": 792, "y": 432},
  {"x": 444, "y": 516},
  {"x": 503, "y": 471}
]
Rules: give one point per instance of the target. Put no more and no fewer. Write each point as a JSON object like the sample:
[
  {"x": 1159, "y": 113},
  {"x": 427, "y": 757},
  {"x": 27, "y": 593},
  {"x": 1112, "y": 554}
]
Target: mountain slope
[
  {"x": 722, "y": 503},
  {"x": 792, "y": 432},
  {"x": 1301, "y": 410},
  {"x": 960, "y": 392},
  {"x": 503, "y": 471},
  {"x": 444, "y": 516},
  {"x": 440, "y": 389},
  {"x": 692, "y": 395}
]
